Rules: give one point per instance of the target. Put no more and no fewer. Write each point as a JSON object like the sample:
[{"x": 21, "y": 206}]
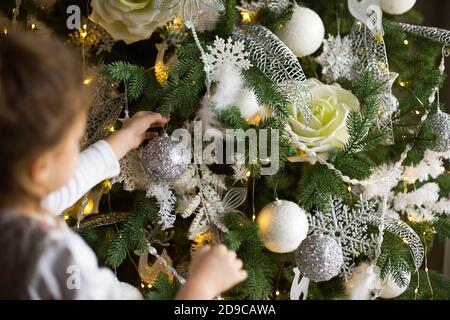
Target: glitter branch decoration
[
  {"x": 272, "y": 5},
  {"x": 278, "y": 63},
  {"x": 105, "y": 109},
  {"x": 104, "y": 219}
]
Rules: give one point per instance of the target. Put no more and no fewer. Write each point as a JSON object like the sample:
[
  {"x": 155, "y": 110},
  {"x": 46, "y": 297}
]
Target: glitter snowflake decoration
[
  {"x": 227, "y": 52},
  {"x": 349, "y": 227},
  {"x": 337, "y": 58}
]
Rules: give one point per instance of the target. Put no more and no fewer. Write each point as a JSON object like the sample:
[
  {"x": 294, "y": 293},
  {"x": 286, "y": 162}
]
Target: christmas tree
[{"x": 314, "y": 141}]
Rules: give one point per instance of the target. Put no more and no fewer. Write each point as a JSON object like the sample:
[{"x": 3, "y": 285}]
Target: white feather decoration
[{"x": 229, "y": 84}]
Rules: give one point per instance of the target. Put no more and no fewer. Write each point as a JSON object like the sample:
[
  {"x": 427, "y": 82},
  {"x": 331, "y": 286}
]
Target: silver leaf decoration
[{"x": 270, "y": 55}]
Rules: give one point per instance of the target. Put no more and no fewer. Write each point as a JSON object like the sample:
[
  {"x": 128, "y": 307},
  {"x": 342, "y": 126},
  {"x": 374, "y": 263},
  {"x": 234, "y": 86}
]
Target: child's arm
[
  {"x": 95, "y": 164},
  {"x": 100, "y": 161},
  {"x": 213, "y": 270}
]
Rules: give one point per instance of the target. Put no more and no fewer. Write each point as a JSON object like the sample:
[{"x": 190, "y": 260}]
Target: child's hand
[
  {"x": 134, "y": 132},
  {"x": 212, "y": 271}
]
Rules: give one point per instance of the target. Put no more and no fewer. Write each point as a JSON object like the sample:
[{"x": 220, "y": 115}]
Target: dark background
[{"x": 437, "y": 14}]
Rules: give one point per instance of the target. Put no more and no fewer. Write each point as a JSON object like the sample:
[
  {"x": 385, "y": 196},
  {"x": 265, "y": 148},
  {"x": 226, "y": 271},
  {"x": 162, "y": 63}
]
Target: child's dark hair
[{"x": 41, "y": 92}]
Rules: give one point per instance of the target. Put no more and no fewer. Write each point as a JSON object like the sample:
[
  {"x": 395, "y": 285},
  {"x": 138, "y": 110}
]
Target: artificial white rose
[
  {"x": 327, "y": 129},
  {"x": 130, "y": 20}
]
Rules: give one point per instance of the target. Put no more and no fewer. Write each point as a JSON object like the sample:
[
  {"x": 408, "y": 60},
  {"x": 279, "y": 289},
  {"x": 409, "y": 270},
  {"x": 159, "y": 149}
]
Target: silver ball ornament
[
  {"x": 319, "y": 258},
  {"x": 440, "y": 124},
  {"x": 282, "y": 226},
  {"x": 165, "y": 160}
]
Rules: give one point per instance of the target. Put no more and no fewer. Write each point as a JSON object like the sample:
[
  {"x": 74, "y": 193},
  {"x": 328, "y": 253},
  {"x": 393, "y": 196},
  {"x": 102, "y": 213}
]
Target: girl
[{"x": 43, "y": 109}]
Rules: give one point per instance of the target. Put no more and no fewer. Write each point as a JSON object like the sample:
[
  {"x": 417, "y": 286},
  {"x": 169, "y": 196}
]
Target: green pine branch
[
  {"x": 267, "y": 93},
  {"x": 133, "y": 235},
  {"x": 318, "y": 185},
  {"x": 163, "y": 289},
  {"x": 395, "y": 260},
  {"x": 442, "y": 227},
  {"x": 274, "y": 20},
  {"x": 363, "y": 136},
  {"x": 243, "y": 238},
  {"x": 134, "y": 76}
]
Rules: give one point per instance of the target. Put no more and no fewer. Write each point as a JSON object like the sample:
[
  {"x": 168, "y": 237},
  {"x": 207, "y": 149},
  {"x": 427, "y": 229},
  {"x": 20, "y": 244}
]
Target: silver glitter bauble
[
  {"x": 440, "y": 124},
  {"x": 282, "y": 226},
  {"x": 165, "y": 160},
  {"x": 319, "y": 258}
]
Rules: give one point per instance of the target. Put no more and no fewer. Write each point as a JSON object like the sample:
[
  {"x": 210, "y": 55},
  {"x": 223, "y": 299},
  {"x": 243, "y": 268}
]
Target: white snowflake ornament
[
  {"x": 337, "y": 58},
  {"x": 349, "y": 228},
  {"x": 227, "y": 52}
]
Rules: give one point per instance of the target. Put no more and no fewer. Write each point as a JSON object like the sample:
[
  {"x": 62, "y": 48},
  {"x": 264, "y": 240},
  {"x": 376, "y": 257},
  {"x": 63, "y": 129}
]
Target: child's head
[{"x": 42, "y": 113}]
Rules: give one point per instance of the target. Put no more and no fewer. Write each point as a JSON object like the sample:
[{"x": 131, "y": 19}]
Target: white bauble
[
  {"x": 397, "y": 6},
  {"x": 304, "y": 33},
  {"x": 247, "y": 103},
  {"x": 391, "y": 289},
  {"x": 282, "y": 226}
]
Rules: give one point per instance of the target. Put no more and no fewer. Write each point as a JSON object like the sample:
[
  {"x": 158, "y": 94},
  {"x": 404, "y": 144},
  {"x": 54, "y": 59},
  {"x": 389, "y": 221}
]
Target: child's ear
[{"x": 39, "y": 170}]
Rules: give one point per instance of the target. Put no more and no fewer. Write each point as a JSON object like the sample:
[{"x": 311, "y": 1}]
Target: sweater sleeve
[
  {"x": 96, "y": 163},
  {"x": 66, "y": 268}
]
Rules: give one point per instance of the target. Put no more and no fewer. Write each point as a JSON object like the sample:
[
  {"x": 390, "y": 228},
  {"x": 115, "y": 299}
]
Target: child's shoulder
[
  {"x": 20, "y": 238},
  {"x": 33, "y": 248},
  {"x": 28, "y": 235}
]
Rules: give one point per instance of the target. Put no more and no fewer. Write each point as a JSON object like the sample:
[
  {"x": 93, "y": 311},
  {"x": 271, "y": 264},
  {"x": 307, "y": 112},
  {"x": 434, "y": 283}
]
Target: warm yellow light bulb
[
  {"x": 83, "y": 32},
  {"x": 87, "y": 81},
  {"x": 246, "y": 16},
  {"x": 406, "y": 42},
  {"x": 107, "y": 185},
  {"x": 33, "y": 26},
  {"x": 277, "y": 293},
  {"x": 5, "y": 30}
]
